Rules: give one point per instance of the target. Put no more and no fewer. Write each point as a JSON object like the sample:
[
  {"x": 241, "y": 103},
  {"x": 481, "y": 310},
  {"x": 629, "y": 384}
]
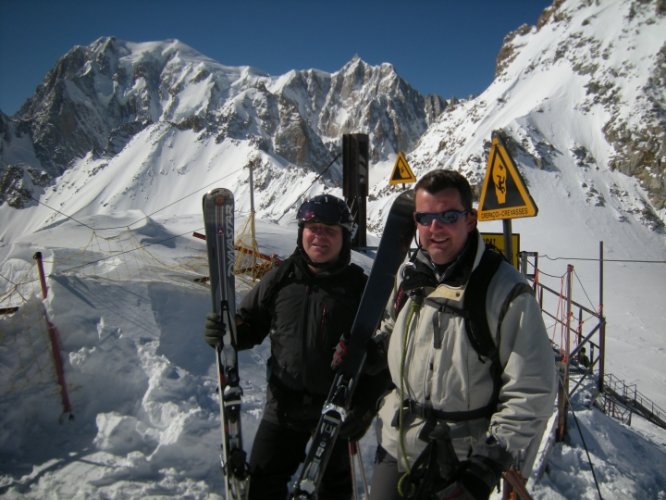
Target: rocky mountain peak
[
  {"x": 582, "y": 89},
  {"x": 98, "y": 97},
  {"x": 598, "y": 67}
]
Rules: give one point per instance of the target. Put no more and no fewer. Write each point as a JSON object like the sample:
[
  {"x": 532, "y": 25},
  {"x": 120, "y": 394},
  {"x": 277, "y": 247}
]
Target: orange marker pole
[{"x": 53, "y": 337}]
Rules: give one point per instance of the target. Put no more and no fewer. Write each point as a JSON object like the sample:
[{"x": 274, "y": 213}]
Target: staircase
[{"x": 621, "y": 401}]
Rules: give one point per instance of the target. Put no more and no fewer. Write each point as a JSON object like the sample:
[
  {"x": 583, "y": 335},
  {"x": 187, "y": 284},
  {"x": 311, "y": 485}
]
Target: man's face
[
  {"x": 321, "y": 242},
  {"x": 443, "y": 242}
]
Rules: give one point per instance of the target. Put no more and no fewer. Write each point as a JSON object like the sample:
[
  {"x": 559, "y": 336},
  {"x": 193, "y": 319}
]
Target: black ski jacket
[{"x": 304, "y": 314}]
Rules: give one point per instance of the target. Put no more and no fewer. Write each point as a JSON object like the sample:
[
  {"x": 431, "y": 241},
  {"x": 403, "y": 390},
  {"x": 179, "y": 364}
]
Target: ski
[
  {"x": 393, "y": 247},
  {"x": 218, "y": 213}
]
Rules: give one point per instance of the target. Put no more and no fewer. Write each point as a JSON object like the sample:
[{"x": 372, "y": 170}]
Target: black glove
[
  {"x": 475, "y": 480},
  {"x": 340, "y": 353},
  {"x": 213, "y": 330},
  {"x": 375, "y": 360},
  {"x": 357, "y": 423}
]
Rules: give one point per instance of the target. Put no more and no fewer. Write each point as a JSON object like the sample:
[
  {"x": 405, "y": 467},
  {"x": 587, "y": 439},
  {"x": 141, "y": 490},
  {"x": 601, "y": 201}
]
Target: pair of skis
[
  {"x": 398, "y": 233},
  {"x": 218, "y": 211}
]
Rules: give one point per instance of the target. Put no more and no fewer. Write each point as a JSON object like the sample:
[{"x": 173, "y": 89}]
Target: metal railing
[
  {"x": 582, "y": 352},
  {"x": 618, "y": 392}
]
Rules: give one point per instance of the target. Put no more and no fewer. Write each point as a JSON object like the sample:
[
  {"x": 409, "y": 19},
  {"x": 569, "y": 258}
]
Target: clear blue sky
[{"x": 446, "y": 47}]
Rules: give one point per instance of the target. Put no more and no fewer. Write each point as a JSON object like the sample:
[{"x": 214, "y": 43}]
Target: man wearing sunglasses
[
  {"x": 456, "y": 418},
  {"x": 304, "y": 307}
]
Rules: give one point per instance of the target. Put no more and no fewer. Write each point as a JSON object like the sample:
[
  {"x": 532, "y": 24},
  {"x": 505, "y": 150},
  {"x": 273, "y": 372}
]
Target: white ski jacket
[{"x": 452, "y": 378}]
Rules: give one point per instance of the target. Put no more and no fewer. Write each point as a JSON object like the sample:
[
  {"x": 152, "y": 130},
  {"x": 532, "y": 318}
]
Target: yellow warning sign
[
  {"x": 402, "y": 174},
  {"x": 498, "y": 239},
  {"x": 503, "y": 195}
]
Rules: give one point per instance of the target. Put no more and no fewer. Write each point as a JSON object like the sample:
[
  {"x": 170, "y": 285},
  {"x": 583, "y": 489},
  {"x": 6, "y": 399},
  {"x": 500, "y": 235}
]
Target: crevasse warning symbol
[
  {"x": 503, "y": 195},
  {"x": 402, "y": 174}
]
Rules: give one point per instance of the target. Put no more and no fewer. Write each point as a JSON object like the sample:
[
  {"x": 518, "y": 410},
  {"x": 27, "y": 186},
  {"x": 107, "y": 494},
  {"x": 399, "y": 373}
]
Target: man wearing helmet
[
  {"x": 304, "y": 307},
  {"x": 325, "y": 230}
]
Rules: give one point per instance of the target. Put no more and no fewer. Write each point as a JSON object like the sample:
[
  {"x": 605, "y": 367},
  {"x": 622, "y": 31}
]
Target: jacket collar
[{"x": 456, "y": 273}]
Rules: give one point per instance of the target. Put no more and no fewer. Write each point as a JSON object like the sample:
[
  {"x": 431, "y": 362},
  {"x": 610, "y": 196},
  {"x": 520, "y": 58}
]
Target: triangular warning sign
[
  {"x": 503, "y": 195},
  {"x": 402, "y": 174}
]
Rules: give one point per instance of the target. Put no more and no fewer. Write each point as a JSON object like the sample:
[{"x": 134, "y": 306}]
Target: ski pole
[
  {"x": 351, "y": 446},
  {"x": 355, "y": 451}
]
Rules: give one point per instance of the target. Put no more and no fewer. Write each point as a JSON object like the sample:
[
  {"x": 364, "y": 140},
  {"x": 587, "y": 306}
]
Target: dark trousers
[{"x": 277, "y": 452}]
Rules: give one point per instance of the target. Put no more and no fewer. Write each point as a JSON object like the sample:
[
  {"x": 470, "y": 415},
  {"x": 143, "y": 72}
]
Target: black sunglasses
[{"x": 446, "y": 217}]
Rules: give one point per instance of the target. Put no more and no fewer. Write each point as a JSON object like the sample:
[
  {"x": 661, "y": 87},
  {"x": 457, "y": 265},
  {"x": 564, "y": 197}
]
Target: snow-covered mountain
[
  {"x": 100, "y": 100},
  {"x": 103, "y": 169},
  {"x": 581, "y": 91}
]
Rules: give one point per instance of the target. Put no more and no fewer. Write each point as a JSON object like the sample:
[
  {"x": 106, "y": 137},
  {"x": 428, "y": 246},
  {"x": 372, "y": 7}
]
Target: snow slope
[{"x": 129, "y": 308}]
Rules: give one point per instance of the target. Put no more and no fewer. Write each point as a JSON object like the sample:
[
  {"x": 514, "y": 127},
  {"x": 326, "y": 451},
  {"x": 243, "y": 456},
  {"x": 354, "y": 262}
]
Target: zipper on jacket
[
  {"x": 304, "y": 323},
  {"x": 322, "y": 326}
]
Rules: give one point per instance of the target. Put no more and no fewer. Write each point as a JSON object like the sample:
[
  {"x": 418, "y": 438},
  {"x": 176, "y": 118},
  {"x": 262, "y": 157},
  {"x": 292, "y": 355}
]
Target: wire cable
[
  {"x": 124, "y": 252},
  {"x": 310, "y": 186},
  {"x": 638, "y": 261},
  {"x": 582, "y": 438},
  {"x": 124, "y": 226},
  {"x": 592, "y": 306}
]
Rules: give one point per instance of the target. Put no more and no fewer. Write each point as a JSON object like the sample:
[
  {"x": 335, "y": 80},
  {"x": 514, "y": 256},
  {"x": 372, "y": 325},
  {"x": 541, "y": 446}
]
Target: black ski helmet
[
  {"x": 326, "y": 209},
  {"x": 330, "y": 210}
]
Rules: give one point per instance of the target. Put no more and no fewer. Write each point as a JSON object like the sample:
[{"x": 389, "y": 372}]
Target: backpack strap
[
  {"x": 474, "y": 303},
  {"x": 476, "y": 321}
]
